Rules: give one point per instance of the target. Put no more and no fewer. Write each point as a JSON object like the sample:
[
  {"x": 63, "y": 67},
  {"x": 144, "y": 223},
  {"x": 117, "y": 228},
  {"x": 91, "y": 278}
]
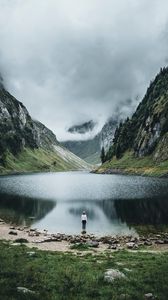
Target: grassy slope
[
  {"x": 93, "y": 159},
  {"x": 36, "y": 161},
  {"x": 61, "y": 276},
  {"x": 131, "y": 165}
]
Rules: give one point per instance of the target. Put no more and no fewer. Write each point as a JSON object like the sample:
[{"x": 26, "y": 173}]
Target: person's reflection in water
[{"x": 84, "y": 221}]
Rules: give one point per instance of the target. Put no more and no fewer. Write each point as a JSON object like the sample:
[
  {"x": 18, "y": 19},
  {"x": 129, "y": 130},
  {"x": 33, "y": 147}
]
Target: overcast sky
[{"x": 70, "y": 61}]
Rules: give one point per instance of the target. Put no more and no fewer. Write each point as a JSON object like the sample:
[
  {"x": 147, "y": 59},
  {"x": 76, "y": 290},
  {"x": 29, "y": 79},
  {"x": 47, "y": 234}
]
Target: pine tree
[{"x": 103, "y": 156}]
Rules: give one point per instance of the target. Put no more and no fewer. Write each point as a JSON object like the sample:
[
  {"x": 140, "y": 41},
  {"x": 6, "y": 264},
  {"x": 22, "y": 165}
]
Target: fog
[{"x": 71, "y": 61}]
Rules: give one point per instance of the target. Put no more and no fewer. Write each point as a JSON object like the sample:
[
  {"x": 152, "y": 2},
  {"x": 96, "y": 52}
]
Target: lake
[{"x": 115, "y": 204}]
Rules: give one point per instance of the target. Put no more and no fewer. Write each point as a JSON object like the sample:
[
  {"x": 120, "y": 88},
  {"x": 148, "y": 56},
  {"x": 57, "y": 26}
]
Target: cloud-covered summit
[{"x": 70, "y": 61}]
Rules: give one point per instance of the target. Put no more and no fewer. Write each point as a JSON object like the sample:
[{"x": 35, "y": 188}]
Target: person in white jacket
[{"x": 84, "y": 220}]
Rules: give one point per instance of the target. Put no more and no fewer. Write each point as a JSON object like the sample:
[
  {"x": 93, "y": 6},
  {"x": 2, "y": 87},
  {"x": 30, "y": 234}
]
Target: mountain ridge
[
  {"x": 28, "y": 145},
  {"x": 140, "y": 143}
]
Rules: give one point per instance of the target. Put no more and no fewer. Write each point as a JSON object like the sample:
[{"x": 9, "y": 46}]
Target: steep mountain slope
[
  {"x": 90, "y": 150},
  {"x": 141, "y": 143},
  {"x": 27, "y": 145}
]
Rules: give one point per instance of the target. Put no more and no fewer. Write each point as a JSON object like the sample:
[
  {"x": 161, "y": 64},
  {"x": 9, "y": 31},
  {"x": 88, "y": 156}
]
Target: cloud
[{"x": 70, "y": 61}]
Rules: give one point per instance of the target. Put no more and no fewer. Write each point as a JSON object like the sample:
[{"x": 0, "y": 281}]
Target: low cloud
[{"x": 71, "y": 61}]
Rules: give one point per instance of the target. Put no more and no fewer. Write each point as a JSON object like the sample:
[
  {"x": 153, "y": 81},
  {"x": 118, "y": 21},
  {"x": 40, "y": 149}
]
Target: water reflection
[
  {"x": 143, "y": 212},
  {"x": 23, "y": 210},
  {"x": 114, "y": 204}
]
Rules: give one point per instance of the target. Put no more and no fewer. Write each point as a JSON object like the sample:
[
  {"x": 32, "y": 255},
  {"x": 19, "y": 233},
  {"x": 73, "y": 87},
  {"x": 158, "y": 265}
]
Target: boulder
[
  {"x": 32, "y": 253},
  {"x": 112, "y": 247},
  {"x": 12, "y": 232},
  {"x": 149, "y": 296},
  {"x": 24, "y": 290},
  {"x": 160, "y": 242},
  {"x": 130, "y": 245},
  {"x": 93, "y": 244},
  {"x": 112, "y": 274}
]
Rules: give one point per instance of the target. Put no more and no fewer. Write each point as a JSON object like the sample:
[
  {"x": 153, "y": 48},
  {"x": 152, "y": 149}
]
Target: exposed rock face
[
  {"x": 146, "y": 132},
  {"x": 18, "y": 131},
  {"x": 107, "y": 134},
  {"x": 45, "y": 138},
  {"x": 17, "y": 127}
]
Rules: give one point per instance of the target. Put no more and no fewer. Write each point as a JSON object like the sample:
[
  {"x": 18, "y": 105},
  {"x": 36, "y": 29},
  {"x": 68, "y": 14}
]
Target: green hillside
[{"x": 140, "y": 143}]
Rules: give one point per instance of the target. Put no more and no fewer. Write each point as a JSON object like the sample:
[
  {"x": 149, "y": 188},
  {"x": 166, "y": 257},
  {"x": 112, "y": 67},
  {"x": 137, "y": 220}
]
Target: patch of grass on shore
[
  {"x": 56, "y": 275},
  {"x": 132, "y": 165},
  {"x": 37, "y": 160}
]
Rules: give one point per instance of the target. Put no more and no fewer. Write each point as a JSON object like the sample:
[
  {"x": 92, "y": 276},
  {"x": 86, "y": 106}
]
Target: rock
[
  {"x": 127, "y": 270},
  {"x": 111, "y": 274},
  {"x": 160, "y": 242},
  {"x": 133, "y": 240},
  {"x": 21, "y": 240},
  {"x": 112, "y": 247},
  {"x": 32, "y": 229},
  {"x": 130, "y": 245},
  {"x": 118, "y": 263},
  {"x": 115, "y": 241},
  {"x": 148, "y": 243},
  {"x": 31, "y": 234},
  {"x": 31, "y": 253},
  {"x": 93, "y": 244},
  {"x": 20, "y": 228},
  {"x": 12, "y": 232},
  {"x": 149, "y": 296},
  {"x": 24, "y": 290}
]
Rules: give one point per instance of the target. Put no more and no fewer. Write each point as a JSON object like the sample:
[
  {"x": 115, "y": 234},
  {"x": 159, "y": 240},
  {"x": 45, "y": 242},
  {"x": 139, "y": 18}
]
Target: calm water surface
[{"x": 55, "y": 201}]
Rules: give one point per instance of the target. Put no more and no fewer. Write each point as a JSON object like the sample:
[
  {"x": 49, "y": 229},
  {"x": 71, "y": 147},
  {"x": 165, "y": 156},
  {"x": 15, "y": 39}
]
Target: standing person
[{"x": 84, "y": 221}]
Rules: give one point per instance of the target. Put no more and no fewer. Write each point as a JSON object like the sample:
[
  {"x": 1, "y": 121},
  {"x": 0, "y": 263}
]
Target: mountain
[
  {"x": 90, "y": 149},
  {"x": 28, "y": 145},
  {"x": 140, "y": 144}
]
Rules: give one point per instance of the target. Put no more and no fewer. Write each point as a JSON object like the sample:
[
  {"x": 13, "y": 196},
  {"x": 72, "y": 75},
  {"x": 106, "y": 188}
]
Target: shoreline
[
  {"x": 118, "y": 171},
  {"x": 43, "y": 240},
  {"x": 41, "y": 172}
]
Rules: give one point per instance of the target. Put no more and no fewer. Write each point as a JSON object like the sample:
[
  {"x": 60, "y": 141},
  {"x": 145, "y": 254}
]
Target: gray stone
[
  {"x": 24, "y": 290},
  {"x": 160, "y": 242},
  {"x": 31, "y": 253},
  {"x": 149, "y": 296},
  {"x": 111, "y": 274},
  {"x": 130, "y": 245},
  {"x": 112, "y": 247},
  {"x": 148, "y": 243},
  {"x": 12, "y": 232},
  {"x": 93, "y": 244}
]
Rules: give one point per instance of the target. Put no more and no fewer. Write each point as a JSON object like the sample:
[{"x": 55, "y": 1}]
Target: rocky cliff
[
  {"x": 145, "y": 135},
  {"x": 26, "y": 144}
]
